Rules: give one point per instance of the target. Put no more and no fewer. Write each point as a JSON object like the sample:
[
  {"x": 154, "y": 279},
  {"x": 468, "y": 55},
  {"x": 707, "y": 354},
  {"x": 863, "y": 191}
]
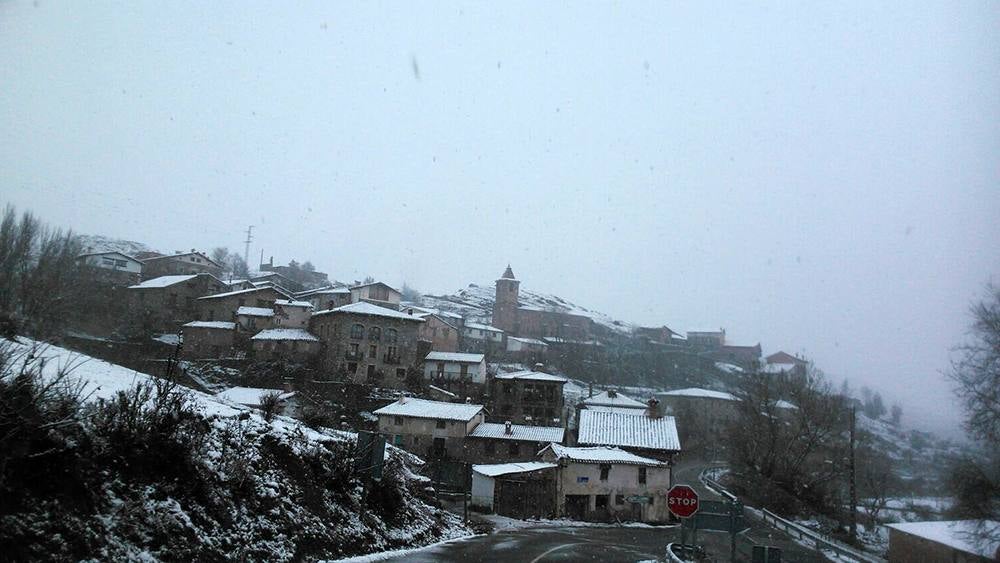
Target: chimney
[
  {"x": 653, "y": 410},
  {"x": 193, "y": 251},
  {"x": 507, "y": 428},
  {"x": 540, "y": 367},
  {"x": 612, "y": 394},
  {"x": 590, "y": 387}
]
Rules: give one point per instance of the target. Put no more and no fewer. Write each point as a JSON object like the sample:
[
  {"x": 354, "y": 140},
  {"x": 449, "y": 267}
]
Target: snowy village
[{"x": 409, "y": 282}]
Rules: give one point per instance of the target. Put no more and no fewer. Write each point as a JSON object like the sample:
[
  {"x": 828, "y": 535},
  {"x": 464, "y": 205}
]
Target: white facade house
[
  {"x": 111, "y": 261},
  {"x": 455, "y": 366},
  {"x": 486, "y": 333},
  {"x": 605, "y": 483}
]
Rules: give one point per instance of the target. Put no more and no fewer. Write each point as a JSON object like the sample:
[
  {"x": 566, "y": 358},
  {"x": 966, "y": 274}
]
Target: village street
[{"x": 552, "y": 544}]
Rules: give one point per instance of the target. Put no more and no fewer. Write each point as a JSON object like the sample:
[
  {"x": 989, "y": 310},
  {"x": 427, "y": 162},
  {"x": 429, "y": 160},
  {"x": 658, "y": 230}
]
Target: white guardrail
[{"x": 795, "y": 530}]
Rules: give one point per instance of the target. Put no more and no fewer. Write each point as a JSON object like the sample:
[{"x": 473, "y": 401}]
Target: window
[
  {"x": 642, "y": 475},
  {"x": 605, "y": 470},
  {"x": 375, "y": 333},
  {"x": 357, "y": 332},
  {"x": 514, "y": 450},
  {"x": 354, "y": 348},
  {"x": 619, "y": 499},
  {"x": 397, "y": 440},
  {"x": 391, "y": 354},
  {"x": 372, "y": 351},
  {"x": 121, "y": 263},
  {"x": 440, "y": 424},
  {"x": 391, "y": 335},
  {"x": 438, "y": 448},
  {"x": 601, "y": 501},
  {"x": 397, "y": 420}
]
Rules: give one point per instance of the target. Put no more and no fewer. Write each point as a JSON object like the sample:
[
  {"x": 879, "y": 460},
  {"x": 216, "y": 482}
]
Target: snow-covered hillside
[
  {"x": 243, "y": 487},
  {"x": 476, "y": 304},
  {"x": 101, "y": 243}
]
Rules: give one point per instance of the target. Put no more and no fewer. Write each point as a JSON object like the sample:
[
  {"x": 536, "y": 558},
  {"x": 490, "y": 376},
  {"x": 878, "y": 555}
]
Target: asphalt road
[{"x": 536, "y": 545}]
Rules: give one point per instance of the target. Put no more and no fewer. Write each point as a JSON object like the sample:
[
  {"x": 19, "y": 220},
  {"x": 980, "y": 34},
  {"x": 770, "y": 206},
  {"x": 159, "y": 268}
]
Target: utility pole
[
  {"x": 854, "y": 488},
  {"x": 246, "y": 251}
]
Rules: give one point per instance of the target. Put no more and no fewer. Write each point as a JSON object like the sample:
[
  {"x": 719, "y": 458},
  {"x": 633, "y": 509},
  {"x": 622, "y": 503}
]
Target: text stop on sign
[{"x": 682, "y": 501}]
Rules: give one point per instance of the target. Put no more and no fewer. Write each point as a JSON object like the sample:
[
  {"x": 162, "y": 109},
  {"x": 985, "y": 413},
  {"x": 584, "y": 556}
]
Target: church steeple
[
  {"x": 505, "y": 304},
  {"x": 508, "y": 274}
]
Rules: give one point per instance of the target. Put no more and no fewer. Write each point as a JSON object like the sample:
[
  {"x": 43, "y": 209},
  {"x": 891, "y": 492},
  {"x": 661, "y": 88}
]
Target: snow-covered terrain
[
  {"x": 101, "y": 243},
  {"x": 475, "y": 303},
  {"x": 258, "y": 489}
]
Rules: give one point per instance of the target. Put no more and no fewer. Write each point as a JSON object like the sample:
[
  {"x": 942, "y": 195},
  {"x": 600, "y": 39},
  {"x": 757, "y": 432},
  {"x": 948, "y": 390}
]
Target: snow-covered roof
[
  {"x": 442, "y": 391},
  {"x": 240, "y": 292},
  {"x": 255, "y": 312},
  {"x": 106, "y": 252},
  {"x": 602, "y": 455},
  {"x": 366, "y": 308},
  {"x": 285, "y": 334},
  {"x": 422, "y": 408},
  {"x": 534, "y": 341},
  {"x": 519, "y": 432},
  {"x": 557, "y": 340},
  {"x": 497, "y": 469},
  {"x": 631, "y": 411},
  {"x": 162, "y": 281},
  {"x": 783, "y": 404},
  {"x": 478, "y": 326},
  {"x": 221, "y": 325},
  {"x": 777, "y": 368},
  {"x": 531, "y": 376},
  {"x": 359, "y": 286},
  {"x": 957, "y": 534},
  {"x": 613, "y": 399},
  {"x": 615, "y": 429},
  {"x": 728, "y": 368},
  {"x": 290, "y": 303},
  {"x": 250, "y": 395},
  {"x": 454, "y": 357},
  {"x": 701, "y": 393}
]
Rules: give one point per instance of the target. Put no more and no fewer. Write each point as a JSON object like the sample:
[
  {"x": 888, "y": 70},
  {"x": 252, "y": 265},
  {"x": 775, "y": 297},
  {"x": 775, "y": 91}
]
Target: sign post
[{"x": 682, "y": 501}]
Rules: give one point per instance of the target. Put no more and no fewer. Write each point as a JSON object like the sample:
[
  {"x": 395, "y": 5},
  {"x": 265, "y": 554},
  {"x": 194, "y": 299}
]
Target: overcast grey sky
[{"x": 822, "y": 179}]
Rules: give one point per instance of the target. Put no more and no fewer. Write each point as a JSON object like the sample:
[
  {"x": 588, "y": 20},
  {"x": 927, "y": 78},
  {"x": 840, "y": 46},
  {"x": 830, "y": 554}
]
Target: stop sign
[{"x": 682, "y": 501}]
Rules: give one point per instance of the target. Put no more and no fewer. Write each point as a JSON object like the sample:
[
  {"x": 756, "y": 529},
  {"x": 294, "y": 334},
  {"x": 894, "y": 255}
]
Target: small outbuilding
[{"x": 956, "y": 541}]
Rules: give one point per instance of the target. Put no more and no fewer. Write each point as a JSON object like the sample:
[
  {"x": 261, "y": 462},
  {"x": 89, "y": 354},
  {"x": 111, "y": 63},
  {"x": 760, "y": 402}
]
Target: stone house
[
  {"x": 526, "y": 347},
  {"x": 295, "y": 344},
  {"x": 482, "y": 338},
  {"x": 702, "y": 414},
  {"x": 327, "y": 298},
  {"x": 163, "y": 304},
  {"x": 181, "y": 263},
  {"x": 652, "y": 435},
  {"x": 953, "y": 541},
  {"x": 460, "y": 373},
  {"x": 430, "y": 429},
  {"x": 528, "y": 397},
  {"x": 292, "y": 314},
  {"x": 370, "y": 343},
  {"x": 493, "y": 442},
  {"x": 208, "y": 339},
  {"x": 606, "y": 483},
  {"x": 783, "y": 362},
  {"x": 376, "y": 293},
  {"x": 442, "y": 334},
  {"x": 659, "y": 335},
  {"x": 253, "y": 319},
  {"x": 223, "y": 306}
]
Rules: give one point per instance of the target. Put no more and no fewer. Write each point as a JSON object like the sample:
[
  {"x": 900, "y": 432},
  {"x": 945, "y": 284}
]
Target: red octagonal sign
[{"x": 682, "y": 501}]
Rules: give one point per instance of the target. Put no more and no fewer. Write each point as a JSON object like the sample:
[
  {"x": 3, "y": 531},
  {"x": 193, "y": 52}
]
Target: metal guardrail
[{"x": 795, "y": 530}]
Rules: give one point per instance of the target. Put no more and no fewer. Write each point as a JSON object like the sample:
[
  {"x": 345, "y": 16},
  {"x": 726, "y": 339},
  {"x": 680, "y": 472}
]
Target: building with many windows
[
  {"x": 528, "y": 397},
  {"x": 368, "y": 343},
  {"x": 431, "y": 429}
]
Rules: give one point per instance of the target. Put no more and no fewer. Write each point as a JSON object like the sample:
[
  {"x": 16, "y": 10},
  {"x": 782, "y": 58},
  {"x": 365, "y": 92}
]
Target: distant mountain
[
  {"x": 475, "y": 303},
  {"x": 101, "y": 243}
]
